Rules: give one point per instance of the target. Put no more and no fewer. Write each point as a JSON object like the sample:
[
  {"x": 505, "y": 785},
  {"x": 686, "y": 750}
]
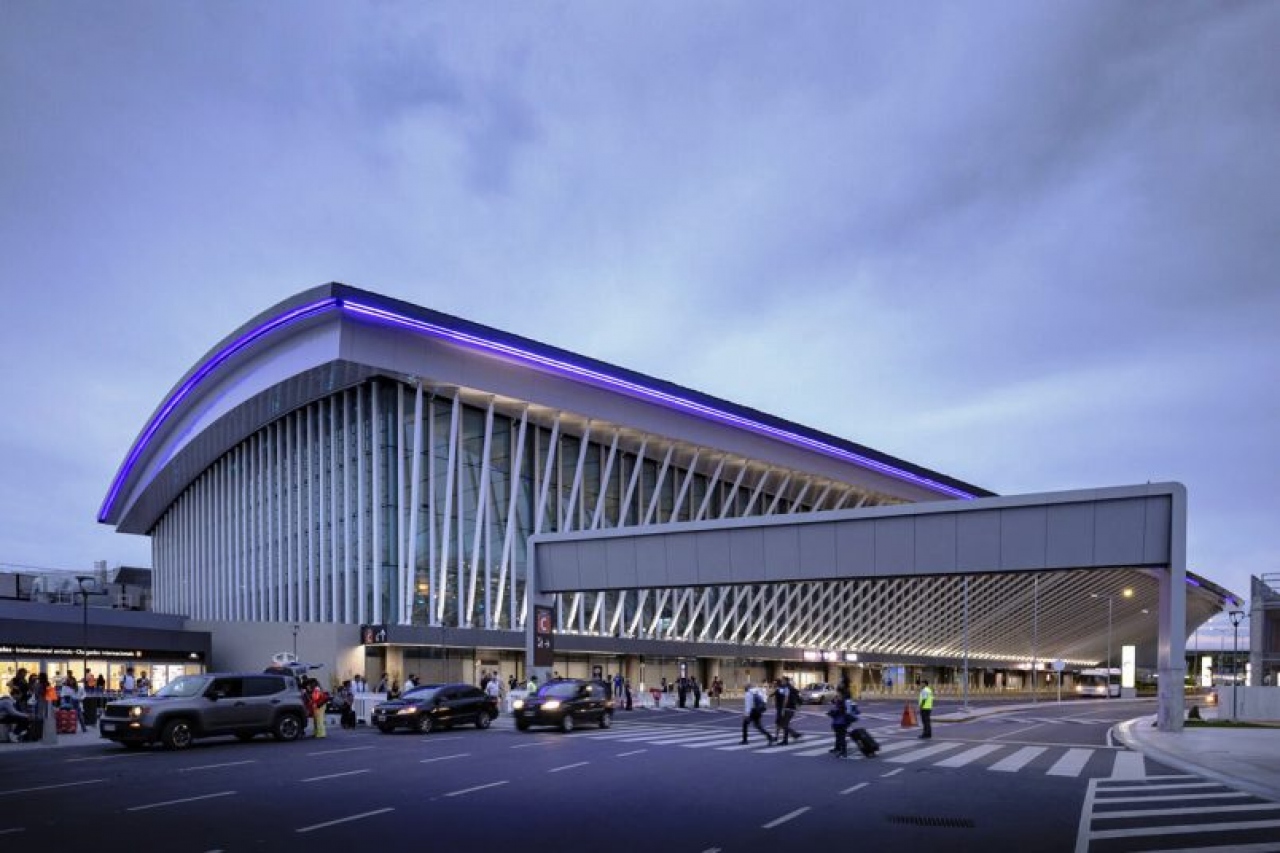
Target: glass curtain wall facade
[{"x": 391, "y": 502}]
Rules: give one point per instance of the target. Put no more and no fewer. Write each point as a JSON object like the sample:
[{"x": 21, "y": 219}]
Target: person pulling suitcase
[{"x": 867, "y": 745}]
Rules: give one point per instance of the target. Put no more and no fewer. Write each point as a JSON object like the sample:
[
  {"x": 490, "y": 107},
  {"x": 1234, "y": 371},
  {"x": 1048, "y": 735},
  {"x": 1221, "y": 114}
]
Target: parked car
[
  {"x": 566, "y": 703},
  {"x": 436, "y": 706},
  {"x": 818, "y": 693},
  {"x": 199, "y": 706}
]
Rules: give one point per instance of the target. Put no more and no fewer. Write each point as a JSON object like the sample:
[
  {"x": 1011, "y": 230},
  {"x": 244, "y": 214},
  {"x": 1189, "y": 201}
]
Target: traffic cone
[{"x": 908, "y": 717}]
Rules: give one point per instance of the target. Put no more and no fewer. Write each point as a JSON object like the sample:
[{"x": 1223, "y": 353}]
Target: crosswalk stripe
[
  {"x": 1071, "y": 763},
  {"x": 1018, "y": 760},
  {"x": 919, "y": 754},
  {"x": 969, "y": 755},
  {"x": 1128, "y": 765}
]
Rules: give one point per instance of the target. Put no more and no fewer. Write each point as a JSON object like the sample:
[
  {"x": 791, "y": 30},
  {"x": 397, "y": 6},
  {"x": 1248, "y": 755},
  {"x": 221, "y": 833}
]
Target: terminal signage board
[{"x": 544, "y": 645}]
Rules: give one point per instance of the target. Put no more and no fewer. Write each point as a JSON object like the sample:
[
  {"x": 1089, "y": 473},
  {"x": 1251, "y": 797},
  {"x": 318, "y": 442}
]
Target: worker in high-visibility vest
[{"x": 926, "y": 710}]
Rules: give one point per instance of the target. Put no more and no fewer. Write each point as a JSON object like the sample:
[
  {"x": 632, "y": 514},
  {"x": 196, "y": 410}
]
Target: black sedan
[
  {"x": 565, "y": 703},
  {"x": 436, "y": 706}
]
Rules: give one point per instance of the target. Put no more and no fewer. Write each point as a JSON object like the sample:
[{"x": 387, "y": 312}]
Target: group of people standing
[{"x": 29, "y": 698}]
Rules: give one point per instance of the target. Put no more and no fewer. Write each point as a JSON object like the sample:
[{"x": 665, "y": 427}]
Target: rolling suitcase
[{"x": 866, "y": 743}]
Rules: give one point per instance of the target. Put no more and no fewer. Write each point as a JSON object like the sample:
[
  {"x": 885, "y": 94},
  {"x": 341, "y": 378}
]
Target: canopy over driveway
[{"x": 1103, "y": 538}]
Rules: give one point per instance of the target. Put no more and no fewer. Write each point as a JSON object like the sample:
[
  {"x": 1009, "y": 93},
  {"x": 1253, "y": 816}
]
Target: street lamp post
[
  {"x": 296, "y": 626},
  {"x": 1237, "y": 616},
  {"x": 1110, "y": 601},
  {"x": 84, "y": 626}
]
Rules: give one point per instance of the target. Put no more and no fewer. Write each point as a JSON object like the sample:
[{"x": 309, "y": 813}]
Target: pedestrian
[
  {"x": 382, "y": 685},
  {"x": 144, "y": 684},
  {"x": 617, "y": 685},
  {"x": 128, "y": 684},
  {"x": 926, "y": 710},
  {"x": 682, "y": 690},
  {"x": 532, "y": 686},
  {"x": 493, "y": 689},
  {"x": 346, "y": 706},
  {"x": 319, "y": 704},
  {"x": 839, "y": 714},
  {"x": 697, "y": 692},
  {"x": 717, "y": 688},
  {"x": 511, "y": 682},
  {"x": 754, "y": 704},
  {"x": 410, "y": 682},
  {"x": 14, "y": 716},
  {"x": 626, "y": 687},
  {"x": 71, "y": 695},
  {"x": 786, "y": 701}
]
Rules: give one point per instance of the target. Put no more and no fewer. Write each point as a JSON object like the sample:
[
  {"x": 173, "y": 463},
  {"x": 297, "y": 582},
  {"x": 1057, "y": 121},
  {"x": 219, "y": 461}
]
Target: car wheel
[
  {"x": 566, "y": 725},
  {"x": 177, "y": 735},
  {"x": 423, "y": 724},
  {"x": 483, "y": 721},
  {"x": 288, "y": 727},
  {"x": 522, "y": 725},
  {"x": 606, "y": 720}
]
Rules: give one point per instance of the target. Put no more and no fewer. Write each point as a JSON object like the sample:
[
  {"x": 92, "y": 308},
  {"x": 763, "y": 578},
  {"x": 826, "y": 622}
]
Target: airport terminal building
[{"x": 362, "y": 478}]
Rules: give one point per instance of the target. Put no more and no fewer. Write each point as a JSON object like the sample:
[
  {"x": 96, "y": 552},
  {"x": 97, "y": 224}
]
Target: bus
[{"x": 1095, "y": 682}]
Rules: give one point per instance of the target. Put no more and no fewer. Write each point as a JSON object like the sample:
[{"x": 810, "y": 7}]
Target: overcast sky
[{"x": 1035, "y": 246}]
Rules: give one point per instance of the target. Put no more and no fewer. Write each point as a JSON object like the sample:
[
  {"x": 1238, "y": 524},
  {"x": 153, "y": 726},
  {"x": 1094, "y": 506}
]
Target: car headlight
[
  {"x": 138, "y": 711},
  {"x": 405, "y": 711},
  {"x": 517, "y": 704},
  {"x": 550, "y": 704}
]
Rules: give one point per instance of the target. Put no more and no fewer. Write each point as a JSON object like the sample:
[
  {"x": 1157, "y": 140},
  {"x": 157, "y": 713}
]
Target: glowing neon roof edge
[
  {"x": 183, "y": 390},
  {"x": 331, "y": 302},
  {"x": 661, "y": 396}
]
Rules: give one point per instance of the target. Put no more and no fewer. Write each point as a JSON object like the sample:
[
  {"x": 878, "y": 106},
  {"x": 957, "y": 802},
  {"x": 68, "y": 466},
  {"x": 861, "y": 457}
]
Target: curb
[{"x": 1125, "y": 733}]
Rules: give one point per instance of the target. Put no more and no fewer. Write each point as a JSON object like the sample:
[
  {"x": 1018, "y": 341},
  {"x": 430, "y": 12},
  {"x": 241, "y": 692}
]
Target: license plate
[
  {"x": 531, "y": 713},
  {"x": 108, "y": 727}
]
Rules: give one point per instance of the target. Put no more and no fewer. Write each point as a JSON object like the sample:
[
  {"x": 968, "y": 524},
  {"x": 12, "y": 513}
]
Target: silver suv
[{"x": 195, "y": 706}]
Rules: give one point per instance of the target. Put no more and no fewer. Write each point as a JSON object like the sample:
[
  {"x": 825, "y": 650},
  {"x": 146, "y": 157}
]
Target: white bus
[{"x": 1095, "y": 682}]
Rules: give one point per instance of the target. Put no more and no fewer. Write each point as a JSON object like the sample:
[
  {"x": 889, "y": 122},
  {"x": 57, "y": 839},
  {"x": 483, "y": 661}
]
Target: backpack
[{"x": 757, "y": 702}]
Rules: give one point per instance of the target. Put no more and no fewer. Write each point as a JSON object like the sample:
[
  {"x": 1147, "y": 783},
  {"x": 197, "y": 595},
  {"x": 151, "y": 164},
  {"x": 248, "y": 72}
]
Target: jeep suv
[
  {"x": 195, "y": 706},
  {"x": 565, "y": 703}
]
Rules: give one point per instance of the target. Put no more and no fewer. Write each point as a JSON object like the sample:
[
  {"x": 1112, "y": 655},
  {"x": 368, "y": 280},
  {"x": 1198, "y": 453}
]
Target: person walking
[
  {"x": 840, "y": 720},
  {"x": 925, "y": 702},
  {"x": 786, "y": 702},
  {"x": 753, "y": 707},
  {"x": 717, "y": 688}
]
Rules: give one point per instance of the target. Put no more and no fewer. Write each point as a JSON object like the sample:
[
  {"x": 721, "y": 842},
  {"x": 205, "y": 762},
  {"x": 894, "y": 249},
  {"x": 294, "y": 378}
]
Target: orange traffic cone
[{"x": 908, "y": 716}]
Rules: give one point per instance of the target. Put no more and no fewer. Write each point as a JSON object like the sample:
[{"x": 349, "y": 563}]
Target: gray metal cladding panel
[
  {"x": 935, "y": 544},
  {"x": 593, "y": 561},
  {"x": 781, "y": 552},
  {"x": 746, "y": 554},
  {"x": 856, "y": 545},
  {"x": 1070, "y": 541},
  {"x": 817, "y": 550},
  {"x": 895, "y": 545},
  {"x": 978, "y": 540},
  {"x": 714, "y": 556},
  {"x": 1023, "y": 538},
  {"x": 558, "y": 567},
  {"x": 620, "y": 562},
  {"x": 651, "y": 560},
  {"x": 1120, "y": 525},
  {"x": 682, "y": 559},
  {"x": 1159, "y": 522}
]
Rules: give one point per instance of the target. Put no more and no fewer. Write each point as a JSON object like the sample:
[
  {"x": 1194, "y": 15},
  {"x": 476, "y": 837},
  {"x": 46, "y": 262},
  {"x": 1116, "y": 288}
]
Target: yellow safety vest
[{"x": 926, "y": 699}]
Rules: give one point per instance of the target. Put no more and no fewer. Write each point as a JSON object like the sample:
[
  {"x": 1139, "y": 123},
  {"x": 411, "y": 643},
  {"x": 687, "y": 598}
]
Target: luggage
[
  {"x": 348, "y": 717},
  {"x": 65, "y": 719},
  {"x": 868, "y": 745}
]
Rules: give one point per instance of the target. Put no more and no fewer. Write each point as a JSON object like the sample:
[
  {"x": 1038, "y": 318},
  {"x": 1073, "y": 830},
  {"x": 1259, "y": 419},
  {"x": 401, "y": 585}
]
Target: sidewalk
[{"x": 1246, "y": 758}]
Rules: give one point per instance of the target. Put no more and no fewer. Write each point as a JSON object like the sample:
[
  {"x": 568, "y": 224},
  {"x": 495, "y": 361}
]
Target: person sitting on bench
[{"x": 12, "y": 716}]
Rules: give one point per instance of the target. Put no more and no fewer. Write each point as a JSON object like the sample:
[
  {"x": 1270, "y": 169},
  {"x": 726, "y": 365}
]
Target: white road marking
[
  {"x": 444, "y": 757},
  {"x": 632, "y": 752},
  {"x": 1071, "y": 763},
  {"x": 568, "y": 766},
  {"x": 969, "y": 755},
  {"x": 855, "y": 787},
  {"x": 336, "y": 751},
  {"x": 215, "y": 766},
  {"x": 786, "y": 817},
  {"x": 180, "y": 802},
  {"x": 476, "y": 788},
  {"x": 893, "y": 772},
  {"x": 51, "y": 787},
  {"x": 1129, "y": 765},
  {"x": 330, "y": 823},
  {"x": 335, "y": 775},
  {"x": 1018, "y": 760}
]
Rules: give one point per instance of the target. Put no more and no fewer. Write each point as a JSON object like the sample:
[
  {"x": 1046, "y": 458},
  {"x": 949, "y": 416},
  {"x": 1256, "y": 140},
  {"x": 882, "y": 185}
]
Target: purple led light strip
[
  {"x": 184, "y": 390},
  {"x": 435, "y": 330},
  {"x": 671, "y": 400}
]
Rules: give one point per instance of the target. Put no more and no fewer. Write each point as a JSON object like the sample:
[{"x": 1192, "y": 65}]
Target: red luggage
[{"x": 66, "y": 721}]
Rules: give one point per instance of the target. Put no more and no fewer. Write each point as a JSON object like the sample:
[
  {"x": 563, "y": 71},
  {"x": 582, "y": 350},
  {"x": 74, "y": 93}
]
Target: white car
[{"x": 818, "y": 693}]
